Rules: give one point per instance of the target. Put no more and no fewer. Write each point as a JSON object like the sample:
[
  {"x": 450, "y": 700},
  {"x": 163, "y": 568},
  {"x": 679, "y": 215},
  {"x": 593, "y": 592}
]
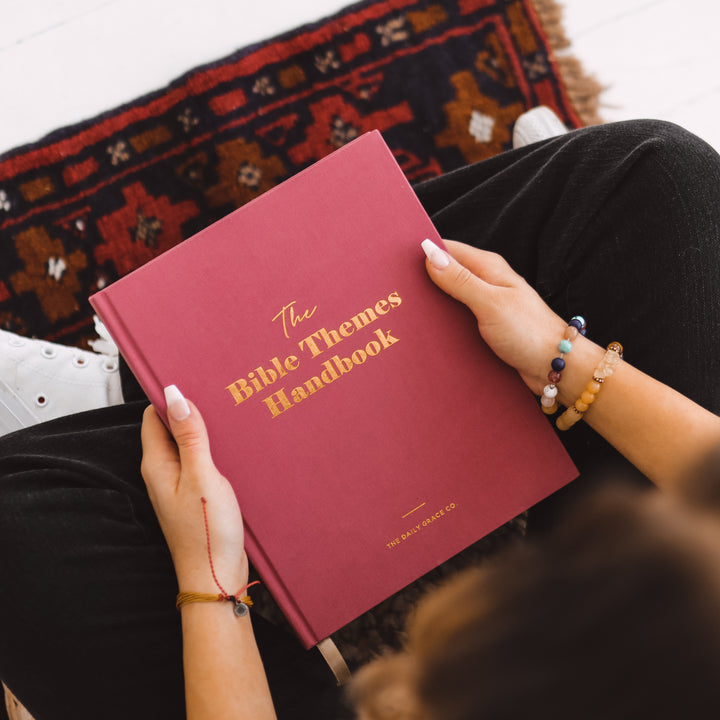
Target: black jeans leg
[
  {"x": 619, "y": 223},
  {"x": 88, "y": 625}
]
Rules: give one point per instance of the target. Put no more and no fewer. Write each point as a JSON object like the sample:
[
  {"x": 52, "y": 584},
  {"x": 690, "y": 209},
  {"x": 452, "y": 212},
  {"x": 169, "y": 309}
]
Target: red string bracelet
[{"x": 242, "y": 602}]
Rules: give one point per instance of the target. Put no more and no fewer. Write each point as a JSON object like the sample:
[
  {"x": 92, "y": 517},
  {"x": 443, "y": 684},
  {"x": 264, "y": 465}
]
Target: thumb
[
  {"x": 456, "y": 279},
  {"x": 188, "y": 429}
]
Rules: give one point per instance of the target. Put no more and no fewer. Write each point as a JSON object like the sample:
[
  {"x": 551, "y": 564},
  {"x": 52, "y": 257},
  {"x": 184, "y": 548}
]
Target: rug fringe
[{"x": 583, "y": 89}]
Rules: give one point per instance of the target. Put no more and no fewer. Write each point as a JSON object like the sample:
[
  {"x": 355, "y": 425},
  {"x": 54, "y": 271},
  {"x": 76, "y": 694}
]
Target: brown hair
[{"x": 616, "y": 615}]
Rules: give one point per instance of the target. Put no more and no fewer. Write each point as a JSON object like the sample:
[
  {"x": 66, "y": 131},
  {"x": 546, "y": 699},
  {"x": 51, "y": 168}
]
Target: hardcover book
[{"x": 367, "y": 430}]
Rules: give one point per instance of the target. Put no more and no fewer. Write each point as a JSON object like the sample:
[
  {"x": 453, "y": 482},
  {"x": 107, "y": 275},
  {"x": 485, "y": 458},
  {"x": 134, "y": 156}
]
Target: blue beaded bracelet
[{"x": 548, "y": 401}]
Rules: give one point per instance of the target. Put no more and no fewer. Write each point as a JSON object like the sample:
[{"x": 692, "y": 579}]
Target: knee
[
  {"x": 664, "y": 149},
  {"x": 662, "y": 132},
  {"x": 671, "y": 144}
]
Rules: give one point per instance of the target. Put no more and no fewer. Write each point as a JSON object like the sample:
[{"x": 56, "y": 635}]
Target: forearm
[
  {"x": 224, "y": 675},
  {"x": 663, "y": 433}
]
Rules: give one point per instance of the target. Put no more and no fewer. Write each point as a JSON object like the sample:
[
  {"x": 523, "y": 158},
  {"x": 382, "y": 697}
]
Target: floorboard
[{"x": 63, "y": 62}]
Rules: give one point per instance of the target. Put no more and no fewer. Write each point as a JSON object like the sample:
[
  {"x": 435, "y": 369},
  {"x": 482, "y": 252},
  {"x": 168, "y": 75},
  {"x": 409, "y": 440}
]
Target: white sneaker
[
  {"x": 41, "y": 381},
  {"x": 537, "y": 124}
]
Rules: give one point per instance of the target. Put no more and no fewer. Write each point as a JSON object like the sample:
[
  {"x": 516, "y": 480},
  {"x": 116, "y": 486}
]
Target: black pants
[{"x": 619, "y": 223}]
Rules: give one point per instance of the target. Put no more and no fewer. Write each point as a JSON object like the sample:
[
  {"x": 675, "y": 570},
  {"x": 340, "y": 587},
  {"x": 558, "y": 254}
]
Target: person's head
[{"x": 615, "y": 615}]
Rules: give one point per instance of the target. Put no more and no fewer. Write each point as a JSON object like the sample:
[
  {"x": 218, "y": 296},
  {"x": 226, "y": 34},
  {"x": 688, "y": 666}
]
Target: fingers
[
  {"x": 455, "y": 278},
  {"x": 188, "y": 429},
  {"x": 184, "y": 452},
  {"x": 489, "y": 266},
  {"x": 157, "y": 443}
]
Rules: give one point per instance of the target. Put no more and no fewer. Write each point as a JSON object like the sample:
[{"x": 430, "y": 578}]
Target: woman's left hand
[{"x": 179, "y": 474}]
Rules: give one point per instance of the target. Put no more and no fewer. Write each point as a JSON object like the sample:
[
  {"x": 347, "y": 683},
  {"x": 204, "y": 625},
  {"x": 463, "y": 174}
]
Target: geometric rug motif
[{"x": 443, "y": 82}]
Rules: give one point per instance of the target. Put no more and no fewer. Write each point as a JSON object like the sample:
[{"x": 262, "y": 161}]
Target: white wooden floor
[
  {"x": 658, "y": 58},
  {"x": 62, "y": 61}
]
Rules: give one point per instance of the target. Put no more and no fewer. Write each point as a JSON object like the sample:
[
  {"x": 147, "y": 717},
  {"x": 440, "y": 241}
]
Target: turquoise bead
[{"x": 565, "y": 346}]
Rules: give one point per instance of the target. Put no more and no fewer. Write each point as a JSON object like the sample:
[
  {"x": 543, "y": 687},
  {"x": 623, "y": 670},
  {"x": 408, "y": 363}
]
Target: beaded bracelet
[
  {"x": 548, "y": 401},
  {"x": 604, "y": 370}
]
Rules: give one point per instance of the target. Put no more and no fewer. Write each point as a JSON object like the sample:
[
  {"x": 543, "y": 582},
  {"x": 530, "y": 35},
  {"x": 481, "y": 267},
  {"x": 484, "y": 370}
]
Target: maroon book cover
[{"x": 367, "y": 430}]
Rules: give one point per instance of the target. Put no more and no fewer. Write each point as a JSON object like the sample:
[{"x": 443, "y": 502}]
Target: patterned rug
[{"x": 443, "y": 80}]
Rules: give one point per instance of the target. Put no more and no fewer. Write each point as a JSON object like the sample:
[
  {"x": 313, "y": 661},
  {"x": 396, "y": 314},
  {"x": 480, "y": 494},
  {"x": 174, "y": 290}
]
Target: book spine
[
  {"x": 153, "y": 388},
  {"x": 282, "y": 596}
]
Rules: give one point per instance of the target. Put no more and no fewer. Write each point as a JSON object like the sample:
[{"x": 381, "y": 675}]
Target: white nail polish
[
  {"x": 437, "y": 257},
  {"x": 177, "y": 406}
]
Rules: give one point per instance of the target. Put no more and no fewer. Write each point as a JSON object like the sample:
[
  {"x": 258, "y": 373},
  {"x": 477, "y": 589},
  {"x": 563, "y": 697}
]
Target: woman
[{"x": 621, "y": 223}]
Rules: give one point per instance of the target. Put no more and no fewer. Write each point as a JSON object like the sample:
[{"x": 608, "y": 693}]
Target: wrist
[
  {"x": 229, "y": 585},
  {"x": 240, "y": 600},
  {"x": 207, "y": 572},
  {"x": 578, "y": 371},
  {"x": 214, "y": 579},
  {"x": 545, "y": 351}
]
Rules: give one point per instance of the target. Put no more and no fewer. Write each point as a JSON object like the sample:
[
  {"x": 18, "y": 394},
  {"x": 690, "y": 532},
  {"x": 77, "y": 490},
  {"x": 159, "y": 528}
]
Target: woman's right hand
[
  {"x": 185, "y": 487},
  {"x": 512, "y": 318}
]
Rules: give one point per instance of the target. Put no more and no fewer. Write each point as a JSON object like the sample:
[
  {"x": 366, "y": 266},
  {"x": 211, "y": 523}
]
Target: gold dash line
[{"x": 413, "y": 510}]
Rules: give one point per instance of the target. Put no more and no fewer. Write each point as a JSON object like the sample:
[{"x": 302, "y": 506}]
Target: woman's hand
[
  {"x": 178, "y": 474},
  {"x": 224, "y": 676},
  {"x": 661, "y": 432},
  {"x": 512, "y": 318}
]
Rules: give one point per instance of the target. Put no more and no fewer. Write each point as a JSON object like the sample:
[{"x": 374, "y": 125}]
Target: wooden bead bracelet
[{"x": 604, "y": 370}]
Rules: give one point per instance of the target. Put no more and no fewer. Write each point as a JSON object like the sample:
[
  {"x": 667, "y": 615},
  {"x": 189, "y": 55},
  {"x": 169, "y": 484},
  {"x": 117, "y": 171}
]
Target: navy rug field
[{"x": 443, "y": 81}]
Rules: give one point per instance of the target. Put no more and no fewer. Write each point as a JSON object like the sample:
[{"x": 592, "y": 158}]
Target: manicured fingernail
[
  {"x": 437, "y": 257},
  {"x": 177, "y": 406}
]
